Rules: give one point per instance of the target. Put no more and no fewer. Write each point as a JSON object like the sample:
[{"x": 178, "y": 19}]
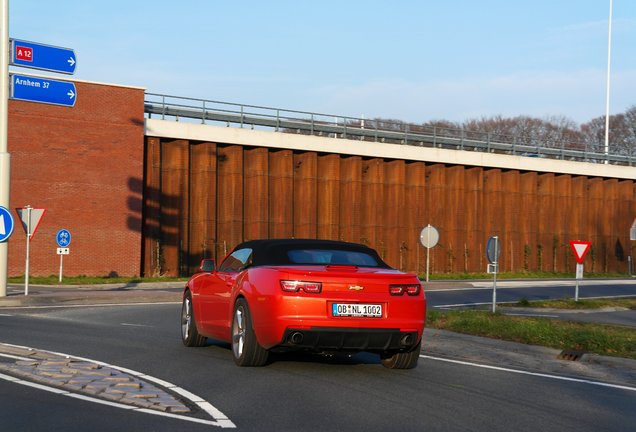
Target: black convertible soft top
[{"x": 277, "y": 251}]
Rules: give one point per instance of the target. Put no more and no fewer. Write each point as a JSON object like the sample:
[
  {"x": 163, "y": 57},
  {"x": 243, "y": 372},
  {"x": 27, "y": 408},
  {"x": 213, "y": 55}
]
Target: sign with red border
[
  {"x": 30, "y": 226},
  {"x": 580, "y": 249}
]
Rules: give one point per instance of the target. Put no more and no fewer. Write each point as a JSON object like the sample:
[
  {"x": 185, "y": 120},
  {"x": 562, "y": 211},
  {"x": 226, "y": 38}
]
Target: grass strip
[
  {"x": 592, "y": 338},
  {"x": 90, "y": 280}
]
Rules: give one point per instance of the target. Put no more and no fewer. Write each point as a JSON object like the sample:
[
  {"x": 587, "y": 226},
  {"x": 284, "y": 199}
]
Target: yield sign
[
  {"x": 580, "y": 248},
  {"x": 30, "y": 218}
]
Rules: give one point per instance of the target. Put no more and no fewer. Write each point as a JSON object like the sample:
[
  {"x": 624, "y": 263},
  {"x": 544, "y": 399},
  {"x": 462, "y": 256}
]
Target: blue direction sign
[
  {"x": 6, "y": 224},
  {"x": 43, "y": 90},
  {"x": 44, "y": 57},
  {"x": 63, "y": 238}
]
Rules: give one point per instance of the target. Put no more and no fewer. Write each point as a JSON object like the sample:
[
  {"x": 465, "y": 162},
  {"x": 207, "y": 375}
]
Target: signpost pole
[
  {"x": 5, "y": 177},
  {"x": 28, "y": 243},
  {"x": 428, "y": 251},
  {"x": 60, "y": 278}
]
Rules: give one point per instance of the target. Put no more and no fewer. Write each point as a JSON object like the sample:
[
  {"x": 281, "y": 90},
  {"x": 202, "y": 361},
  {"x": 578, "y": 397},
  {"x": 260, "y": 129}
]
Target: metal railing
[{"x": 301, "y": 122}]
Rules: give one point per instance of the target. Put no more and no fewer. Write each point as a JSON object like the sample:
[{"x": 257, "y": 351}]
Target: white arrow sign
[{"x": 2, "y": 228}]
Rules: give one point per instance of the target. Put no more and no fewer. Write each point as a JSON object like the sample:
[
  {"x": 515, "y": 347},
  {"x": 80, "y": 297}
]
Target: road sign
[
  {"x": 63, "y": 238},
  {"x": 493, "y": 250},
  {"x": 30, "y": 218},
  {"x": 580, "y": 248},
  {"x": 36, "y": 55},
  {"x": 429, "y": 236},
  {"x": 43, "y": 90},
  {"x": 6, "y": 224},
  {"x": 63, "y": 251}
]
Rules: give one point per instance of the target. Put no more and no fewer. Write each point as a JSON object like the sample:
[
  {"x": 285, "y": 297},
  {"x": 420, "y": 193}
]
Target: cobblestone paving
[{"x": 85, "y": 377}]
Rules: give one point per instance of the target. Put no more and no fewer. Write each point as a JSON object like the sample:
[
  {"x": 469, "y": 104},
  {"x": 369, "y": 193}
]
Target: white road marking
[
  {"x": 135, "y": 325},
  {"x": 15, "y": 357},
  {"x": 537, "y": 374},
  {"x": 220, "y": 419}
]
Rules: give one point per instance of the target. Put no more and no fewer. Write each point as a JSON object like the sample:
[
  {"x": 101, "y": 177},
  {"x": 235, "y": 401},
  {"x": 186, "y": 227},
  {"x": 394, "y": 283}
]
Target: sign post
[
  {"x": 580, "y": 249},
  {"x": 429, "y": 236},
  {"x": 63, "y": 239},
  {"x": 30, "y": 218},
  {"x": 492, "y": 253}
]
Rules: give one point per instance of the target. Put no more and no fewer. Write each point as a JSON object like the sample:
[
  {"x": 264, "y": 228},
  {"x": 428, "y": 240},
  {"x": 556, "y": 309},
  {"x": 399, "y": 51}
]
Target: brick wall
[{"x": 85, "y": 166}]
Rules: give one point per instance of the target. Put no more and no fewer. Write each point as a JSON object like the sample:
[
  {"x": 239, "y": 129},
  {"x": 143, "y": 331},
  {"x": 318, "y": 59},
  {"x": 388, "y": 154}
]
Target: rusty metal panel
[
  {"x": 385, "y": 204},
  {"x": 414, "y": 197},
  {"x": 393, "y": 218},
  {"x": 455, "y": 211},
  {"x": 511, "y": 215},
  {"x": 152, "y": 209},
  {"x": 548, "y": 243},
  {"x": 174, "y": 207},
  {"x": 436, "y": 214},
  {"x": 229, "y": 229},
  {"x": 328, "y": 197},
  {"x": 305, "y": 194},
  {"x": 609, "y": 227},
  {"x": 350, "y": 198},
  {"x": 281, "y": 193},
  {"x": 475, "y": 245},
  {"x": 371, "y": 206},
  {"x": 528, "y": 221},
  {"x": 256, "y": 192},
  {"x": 202, "y": 203}
]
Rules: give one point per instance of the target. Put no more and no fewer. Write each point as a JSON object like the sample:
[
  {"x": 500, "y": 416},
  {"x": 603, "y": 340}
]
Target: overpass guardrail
[{"x": 302, "y": 122}]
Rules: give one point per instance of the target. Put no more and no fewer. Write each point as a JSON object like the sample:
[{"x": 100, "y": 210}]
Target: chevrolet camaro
[{"x": 315, "y": 295}]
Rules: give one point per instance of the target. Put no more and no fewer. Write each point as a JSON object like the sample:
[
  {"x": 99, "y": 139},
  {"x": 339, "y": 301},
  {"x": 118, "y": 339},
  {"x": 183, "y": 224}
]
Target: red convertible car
[{"x": 316, "y": 295}]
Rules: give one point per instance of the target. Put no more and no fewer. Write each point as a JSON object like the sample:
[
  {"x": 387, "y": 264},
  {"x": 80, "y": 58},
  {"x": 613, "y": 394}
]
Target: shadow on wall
[{"x": 163, "y": 226}]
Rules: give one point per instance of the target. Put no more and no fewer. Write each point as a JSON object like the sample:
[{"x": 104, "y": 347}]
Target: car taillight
[
  {"x": 295, "y": 286},
  {"x": 400, "y": 289}
]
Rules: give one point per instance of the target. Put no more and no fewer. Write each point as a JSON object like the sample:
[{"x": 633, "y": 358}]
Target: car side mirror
[{"x": 207, "y": 265}]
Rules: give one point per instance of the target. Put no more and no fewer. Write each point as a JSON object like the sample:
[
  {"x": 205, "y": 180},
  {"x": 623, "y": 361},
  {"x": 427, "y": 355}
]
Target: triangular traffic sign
[
  {"x": 580, "y": 248},
  {"x": 30, "y": 226}
]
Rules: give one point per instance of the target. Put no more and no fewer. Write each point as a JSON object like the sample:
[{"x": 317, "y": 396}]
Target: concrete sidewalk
[{"x": 48, "y": 295}]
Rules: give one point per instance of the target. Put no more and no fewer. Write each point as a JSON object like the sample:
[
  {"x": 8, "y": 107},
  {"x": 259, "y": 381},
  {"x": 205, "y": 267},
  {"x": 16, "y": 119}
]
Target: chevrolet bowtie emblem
[{"x": 356, "y": 287}]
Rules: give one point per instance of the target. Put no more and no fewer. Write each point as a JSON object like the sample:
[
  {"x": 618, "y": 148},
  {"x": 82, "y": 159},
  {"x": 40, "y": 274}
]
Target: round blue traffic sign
[
  {"x": 63, "y": 238},
  {"x": 6, "y": 224}
]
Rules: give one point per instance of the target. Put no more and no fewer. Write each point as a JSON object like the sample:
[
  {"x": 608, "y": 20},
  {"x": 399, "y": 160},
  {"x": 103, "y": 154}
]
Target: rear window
[{"x": 331, "y": 257}]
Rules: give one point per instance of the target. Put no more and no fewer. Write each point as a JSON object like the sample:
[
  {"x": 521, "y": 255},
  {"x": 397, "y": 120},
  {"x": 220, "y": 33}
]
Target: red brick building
[{"x": 84, "y": 165}]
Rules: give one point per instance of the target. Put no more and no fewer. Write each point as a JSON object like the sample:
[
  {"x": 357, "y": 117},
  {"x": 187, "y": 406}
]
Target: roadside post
[
  {"x": 6, "y": 229},
  {"x": 30, "y": 218},
  {"x": 492, "y": 253},
  {"x": 580, "y": 249},
  {"x": 429, "y": 237},
  {"x": 63, "y": 239}
]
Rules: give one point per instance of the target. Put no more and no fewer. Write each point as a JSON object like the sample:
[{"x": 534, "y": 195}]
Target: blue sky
[{"x": 410, "y": 60}]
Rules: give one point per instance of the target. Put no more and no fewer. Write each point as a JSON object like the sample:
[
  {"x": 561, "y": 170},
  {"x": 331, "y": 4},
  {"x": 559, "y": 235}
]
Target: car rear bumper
[{"x": 350, "y": 339}]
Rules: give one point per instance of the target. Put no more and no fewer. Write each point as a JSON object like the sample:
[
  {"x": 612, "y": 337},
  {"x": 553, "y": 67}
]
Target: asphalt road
[{"x": 294, "y": 392}]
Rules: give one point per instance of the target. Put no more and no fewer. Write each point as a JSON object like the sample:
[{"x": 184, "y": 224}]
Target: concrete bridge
[{"x": 217, "y": 175}]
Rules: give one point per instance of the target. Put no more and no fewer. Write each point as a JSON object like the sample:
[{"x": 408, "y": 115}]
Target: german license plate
[{"x": 356, "y": 310}]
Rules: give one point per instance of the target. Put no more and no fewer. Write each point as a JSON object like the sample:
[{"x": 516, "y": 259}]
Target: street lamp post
[{"x": 607, "y": 93}]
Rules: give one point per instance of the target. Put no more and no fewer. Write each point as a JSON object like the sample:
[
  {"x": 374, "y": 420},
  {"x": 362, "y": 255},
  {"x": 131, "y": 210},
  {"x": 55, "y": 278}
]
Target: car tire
[
  {"x": 245, "y": 348},
  {"x": 189, "y": 332},
  {"x": 403, "y": 360}
]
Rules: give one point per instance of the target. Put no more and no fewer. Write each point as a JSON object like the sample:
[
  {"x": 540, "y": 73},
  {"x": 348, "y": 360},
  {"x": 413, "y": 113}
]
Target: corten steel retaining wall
[
  {"x": 202, "y": 198},
  {"x": 85, "y": 166}
]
